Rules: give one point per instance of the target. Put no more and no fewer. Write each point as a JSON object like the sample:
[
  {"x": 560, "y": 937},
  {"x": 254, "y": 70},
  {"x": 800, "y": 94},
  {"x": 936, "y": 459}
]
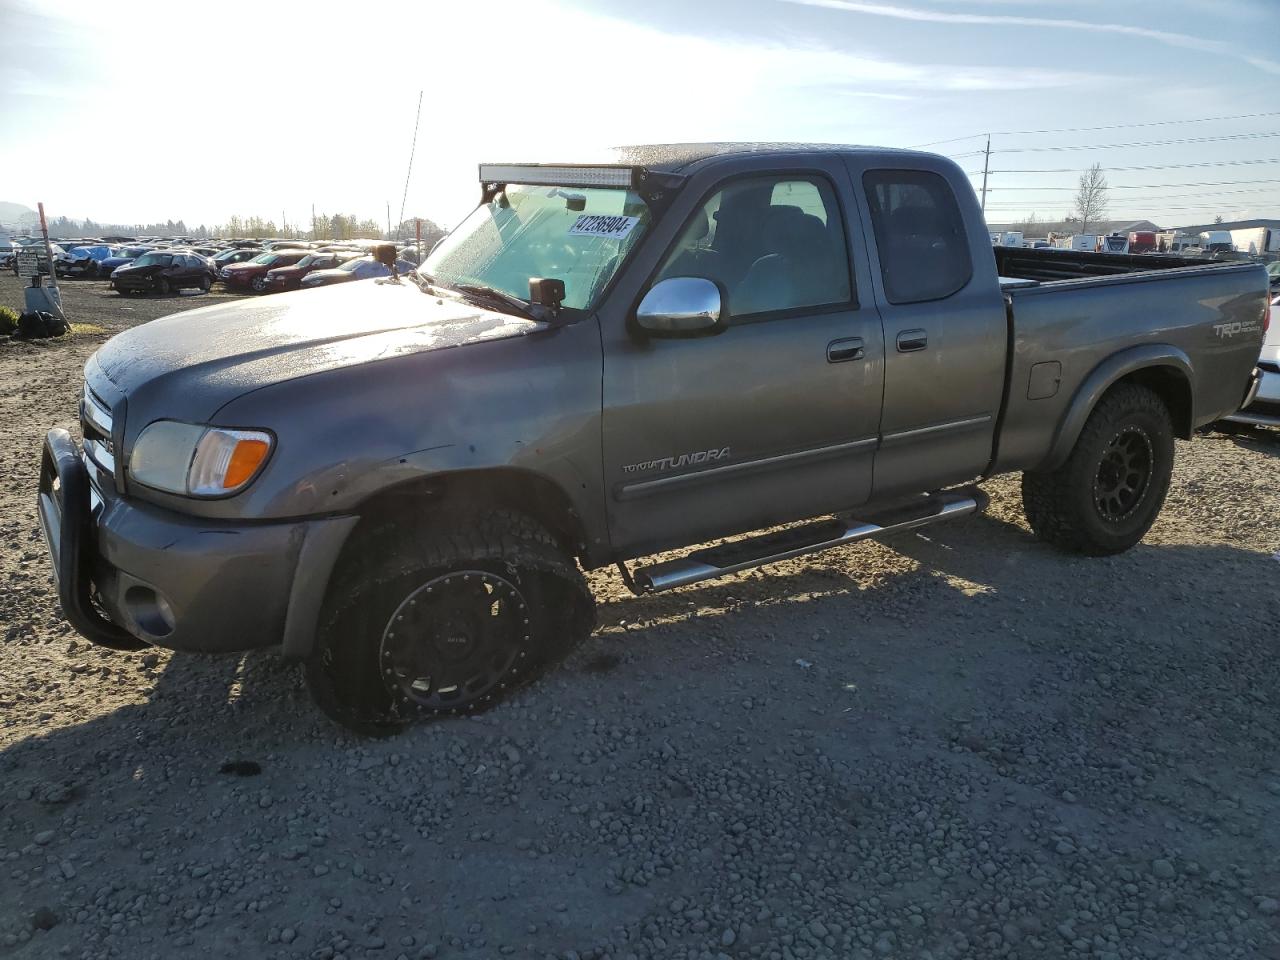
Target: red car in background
[
  {"x": 290, "y": 278},
  {"x": 252, "y": 274}
]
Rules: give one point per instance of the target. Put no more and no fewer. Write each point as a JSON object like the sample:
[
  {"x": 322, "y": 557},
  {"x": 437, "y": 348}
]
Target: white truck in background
[
  {"x": 1256, "y": 241},
  {"x": 1082, "y": 242},
  {"x": 1010, "y": 238}
]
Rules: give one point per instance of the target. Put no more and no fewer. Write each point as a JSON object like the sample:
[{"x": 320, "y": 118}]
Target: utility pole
[
  {"x": 986, "y": 168},
  {"x": 53, "y": 269},
  {"x": 388, "y": 219},
  {"x": 313, "y": 221}
]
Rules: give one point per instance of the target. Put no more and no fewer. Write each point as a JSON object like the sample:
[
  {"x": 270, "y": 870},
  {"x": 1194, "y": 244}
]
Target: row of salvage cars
[{"x": 258, "y": 267}]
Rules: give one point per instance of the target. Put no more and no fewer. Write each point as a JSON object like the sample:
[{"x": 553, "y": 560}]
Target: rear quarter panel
[{"x": 1208, "y": 318}]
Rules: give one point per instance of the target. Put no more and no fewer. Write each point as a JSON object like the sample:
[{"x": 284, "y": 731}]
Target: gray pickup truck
[{"x": 400, "y": 481}]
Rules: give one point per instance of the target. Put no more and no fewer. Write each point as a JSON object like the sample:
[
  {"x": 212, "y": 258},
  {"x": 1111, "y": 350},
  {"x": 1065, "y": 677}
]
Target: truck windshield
[{"x": 578, "y": 235}]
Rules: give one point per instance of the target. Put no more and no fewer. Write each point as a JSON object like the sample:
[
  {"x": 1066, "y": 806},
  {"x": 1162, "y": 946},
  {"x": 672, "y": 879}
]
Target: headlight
[{"x": 194, "y": 460}]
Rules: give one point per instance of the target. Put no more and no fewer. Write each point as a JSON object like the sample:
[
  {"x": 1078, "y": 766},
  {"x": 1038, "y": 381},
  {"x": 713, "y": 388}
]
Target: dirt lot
[{"x": 956, "y": 744}]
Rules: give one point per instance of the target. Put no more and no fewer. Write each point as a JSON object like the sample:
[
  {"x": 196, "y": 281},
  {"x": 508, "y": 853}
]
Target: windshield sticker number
[{"x": 594, "y": 225}]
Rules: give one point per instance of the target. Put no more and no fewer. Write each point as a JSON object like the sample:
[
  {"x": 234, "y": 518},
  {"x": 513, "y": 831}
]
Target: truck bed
[
  {"x": 1045, "y": 265},
  {"x": 1069, "y": 311}
]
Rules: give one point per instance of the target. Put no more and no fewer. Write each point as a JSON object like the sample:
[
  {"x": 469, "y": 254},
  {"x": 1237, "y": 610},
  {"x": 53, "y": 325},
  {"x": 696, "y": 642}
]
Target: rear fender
[{"x": 1148, "y": 356}]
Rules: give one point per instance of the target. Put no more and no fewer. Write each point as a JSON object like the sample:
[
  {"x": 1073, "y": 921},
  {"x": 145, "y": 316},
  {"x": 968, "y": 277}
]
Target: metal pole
[
  {"x": 986, "y": 167},
  {"x": 389, "y": 237},
  {"x": 412, "y": 147},
  {"x": 53, "y": 270},
  {"x": 417, "y": 231}
]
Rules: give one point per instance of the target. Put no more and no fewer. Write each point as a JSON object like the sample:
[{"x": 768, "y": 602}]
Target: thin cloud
[{"x": 919, "y": 15}]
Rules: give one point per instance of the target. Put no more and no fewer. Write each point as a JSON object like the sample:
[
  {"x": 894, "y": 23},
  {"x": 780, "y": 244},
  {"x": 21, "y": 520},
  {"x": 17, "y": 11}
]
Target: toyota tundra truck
[{"x": 778, "y": 348}]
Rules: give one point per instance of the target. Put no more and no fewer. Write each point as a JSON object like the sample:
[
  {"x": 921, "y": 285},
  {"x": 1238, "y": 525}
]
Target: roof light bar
[{"x": 558, "y": 176}]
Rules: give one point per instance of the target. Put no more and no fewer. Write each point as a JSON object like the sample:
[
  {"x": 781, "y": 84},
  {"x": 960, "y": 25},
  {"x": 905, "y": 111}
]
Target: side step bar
[{"x": 810, "y": 538}]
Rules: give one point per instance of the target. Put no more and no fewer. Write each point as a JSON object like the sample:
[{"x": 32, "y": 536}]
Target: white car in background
[{"x": 1265, "y": 409}]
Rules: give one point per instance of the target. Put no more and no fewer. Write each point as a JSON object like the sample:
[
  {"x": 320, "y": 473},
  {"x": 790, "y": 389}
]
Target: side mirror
[{"x": 680, "y": 306}]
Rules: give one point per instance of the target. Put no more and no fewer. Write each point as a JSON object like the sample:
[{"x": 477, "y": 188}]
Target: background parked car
[
  {"x": 163, "y": 271},
  {"x": 235, "y": 255},
  {"x": 289, "y": 278},
  {"x": 1265, "y": 409},
  {"x": 252, "y": 274},
  {"x": 362, "y": 268},
  {"x": 121, "y": 256},
  {"x": 1273, "y": 271},
  {"x": 82, "y": 261}
]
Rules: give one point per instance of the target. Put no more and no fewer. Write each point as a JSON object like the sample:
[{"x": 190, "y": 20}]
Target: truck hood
[{"x": 196, "y": 361}]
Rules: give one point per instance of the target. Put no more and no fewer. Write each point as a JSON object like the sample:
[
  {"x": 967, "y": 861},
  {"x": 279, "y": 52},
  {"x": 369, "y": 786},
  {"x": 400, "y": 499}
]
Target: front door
[{"x": 773, "y": 419}]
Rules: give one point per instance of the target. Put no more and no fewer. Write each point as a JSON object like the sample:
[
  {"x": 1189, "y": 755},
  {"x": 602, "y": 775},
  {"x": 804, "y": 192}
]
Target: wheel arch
[
  {"x": 1163, "y": 368},
  {"x": 515, "y": 488}
]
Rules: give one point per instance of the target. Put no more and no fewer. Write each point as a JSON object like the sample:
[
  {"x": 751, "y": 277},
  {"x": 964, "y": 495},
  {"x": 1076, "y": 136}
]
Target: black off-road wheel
[
  {"x": 443, "y": 618},
  {"x": 1105, "y": 497}
]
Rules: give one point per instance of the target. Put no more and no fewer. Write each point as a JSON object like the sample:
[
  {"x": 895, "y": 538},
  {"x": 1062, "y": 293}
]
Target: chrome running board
[{"x": 814, "y": 537}]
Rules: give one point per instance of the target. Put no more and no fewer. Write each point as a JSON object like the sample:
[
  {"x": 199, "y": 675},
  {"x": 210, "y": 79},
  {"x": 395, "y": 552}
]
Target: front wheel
[
  {"x": 205, "y": 284},
  {"x": 445, "y": 617},
  {"x": 1109, "y": 492},
  {"x": 259, "y": 284},
  {"x": 165, "y": 287}
]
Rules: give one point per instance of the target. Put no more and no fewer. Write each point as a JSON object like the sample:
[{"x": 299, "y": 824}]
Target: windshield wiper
[{"x": 485, "y": 295}]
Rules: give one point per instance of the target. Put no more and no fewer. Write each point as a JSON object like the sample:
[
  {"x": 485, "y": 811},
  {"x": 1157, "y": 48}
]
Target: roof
[
  {"x": 1044, "y": 227},
  {"x": 674, "y": 157},
  {"x": 1233, "y": 225}
]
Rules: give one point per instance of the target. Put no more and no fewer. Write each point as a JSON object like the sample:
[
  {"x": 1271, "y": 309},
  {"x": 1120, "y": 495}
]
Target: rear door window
[{"x": 924, "y": 251}]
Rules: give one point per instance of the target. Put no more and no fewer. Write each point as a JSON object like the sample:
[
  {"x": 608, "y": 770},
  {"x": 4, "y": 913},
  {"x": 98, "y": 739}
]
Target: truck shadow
[{"x": 979, "y": 572}]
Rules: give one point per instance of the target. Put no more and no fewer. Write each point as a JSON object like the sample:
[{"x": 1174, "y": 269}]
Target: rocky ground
[{"x": 955, "y": 744}]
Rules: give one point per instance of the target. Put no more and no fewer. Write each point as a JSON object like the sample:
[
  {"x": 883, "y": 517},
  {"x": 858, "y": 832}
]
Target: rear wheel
[
  {"x": 445, "y": 618},
  {"x": 205, "y": 284},
  {"x": 1105, "y": 497},
  {"x": 259, "y": 284}
]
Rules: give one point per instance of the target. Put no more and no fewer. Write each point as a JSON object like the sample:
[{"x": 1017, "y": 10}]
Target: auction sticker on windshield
[{"x": 596, "y": 225}]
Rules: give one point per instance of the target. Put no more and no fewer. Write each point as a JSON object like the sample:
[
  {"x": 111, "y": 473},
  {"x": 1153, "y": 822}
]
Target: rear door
[
  {"x": 944, "y": 324},
  {"x": 773, "y": 419}
]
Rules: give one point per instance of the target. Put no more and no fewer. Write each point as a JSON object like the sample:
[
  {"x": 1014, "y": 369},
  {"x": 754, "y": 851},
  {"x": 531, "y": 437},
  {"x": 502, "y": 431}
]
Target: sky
[{"x": 136, "y": 112}]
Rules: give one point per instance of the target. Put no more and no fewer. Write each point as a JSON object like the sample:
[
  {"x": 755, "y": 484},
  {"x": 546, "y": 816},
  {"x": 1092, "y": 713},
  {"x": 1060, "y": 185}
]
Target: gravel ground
[{"x": 955, "y": 744}]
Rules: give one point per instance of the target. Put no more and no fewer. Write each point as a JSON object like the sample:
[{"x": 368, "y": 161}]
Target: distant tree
[
  {"x": 431, "y": 232},
  {"x": 1091, "y": 197},
  {"x": 1031, "y": 225},
  {"x": 1219, "y": 219}
]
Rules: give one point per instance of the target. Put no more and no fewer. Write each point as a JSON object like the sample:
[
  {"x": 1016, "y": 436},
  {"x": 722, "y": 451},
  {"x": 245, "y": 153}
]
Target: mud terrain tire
[
  {"x": 443, "y": 617},
  {"x": 1107, "y": 494}
]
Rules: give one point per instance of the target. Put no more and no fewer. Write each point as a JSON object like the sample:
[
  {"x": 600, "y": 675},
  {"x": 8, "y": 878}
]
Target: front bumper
[
  {"x": 125, "y": 569},
  {"x": 132, "y": 282}
]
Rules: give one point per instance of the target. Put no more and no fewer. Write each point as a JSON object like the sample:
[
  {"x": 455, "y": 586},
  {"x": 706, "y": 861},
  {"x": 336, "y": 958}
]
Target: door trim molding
[
  {"x": 951, "y": 426},
  {"x": 644, "y": 488}
]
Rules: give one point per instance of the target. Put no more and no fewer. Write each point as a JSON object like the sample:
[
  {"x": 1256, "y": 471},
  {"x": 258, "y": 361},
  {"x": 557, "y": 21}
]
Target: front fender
[{"x": 1105, "y": 375}]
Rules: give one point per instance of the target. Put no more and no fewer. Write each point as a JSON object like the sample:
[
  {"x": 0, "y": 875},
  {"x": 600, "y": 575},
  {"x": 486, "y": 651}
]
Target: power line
[
  {"x": 1166, "y": 166},
  {"x": 1139, "y": 143},
  {"x": 1150, "y": 186},
  {"x": 1113, "y": 126},
  {"x": 1144, "y": 198}
]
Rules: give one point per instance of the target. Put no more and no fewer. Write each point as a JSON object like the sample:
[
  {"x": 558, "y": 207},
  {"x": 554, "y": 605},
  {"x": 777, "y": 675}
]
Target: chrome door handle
[
  {"x": 910, "y": 341},
  {"x": 849, "y": 348}
]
